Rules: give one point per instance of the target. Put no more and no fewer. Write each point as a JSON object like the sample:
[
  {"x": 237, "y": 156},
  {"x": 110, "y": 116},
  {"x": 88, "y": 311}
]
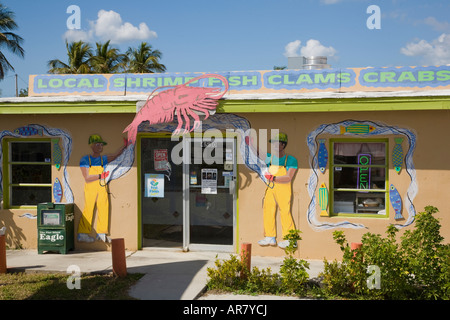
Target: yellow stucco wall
[
  {"x": 22, "y": 232},
  {"x": 432, "y": 169},
  {"x": 430, "y": 160}
]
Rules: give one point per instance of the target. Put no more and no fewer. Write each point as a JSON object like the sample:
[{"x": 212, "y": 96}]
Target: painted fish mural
[
  {"x": 396, "y": 202},
  {"x": 379, "y": 128},
  {"x": 28, "y": 216},
  {"x": 357, "y": 129},
  {"x": 66, "y": 149},
  {"x": 322, "y": 155},
  {"x": 57, "y": 190},
  {"x": 28, "y": 131},
  {"x": 397, "y": 154},
  {"x": 57, "y": 154},
  {"x": 182, "y": 101},
  {"x": 323, "y": 200}
]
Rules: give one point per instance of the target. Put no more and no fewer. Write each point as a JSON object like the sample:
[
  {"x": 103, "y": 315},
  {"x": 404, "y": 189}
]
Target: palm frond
[{"x": 8, "y": 40}]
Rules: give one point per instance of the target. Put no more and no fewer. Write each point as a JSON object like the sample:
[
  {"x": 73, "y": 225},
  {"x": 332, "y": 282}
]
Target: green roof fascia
[
  {"x": 68, "y": 107},
  {"x": 240, "y": 106},
  {"x": 336, "y": 104}
]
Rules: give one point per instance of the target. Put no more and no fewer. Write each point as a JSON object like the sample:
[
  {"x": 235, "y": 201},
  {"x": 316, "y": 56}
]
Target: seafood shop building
[{"x": 207, "y": 160}]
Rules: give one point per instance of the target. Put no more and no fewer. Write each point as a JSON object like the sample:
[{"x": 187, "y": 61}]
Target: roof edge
[{"x": 249, "y": 96}]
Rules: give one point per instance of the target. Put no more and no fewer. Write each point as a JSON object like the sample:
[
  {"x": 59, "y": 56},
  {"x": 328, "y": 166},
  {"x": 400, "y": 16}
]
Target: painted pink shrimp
[{"x": 182, "y": 100}]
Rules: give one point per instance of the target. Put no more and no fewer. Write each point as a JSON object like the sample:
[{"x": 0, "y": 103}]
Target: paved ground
[{"x": 169, "y": 274}]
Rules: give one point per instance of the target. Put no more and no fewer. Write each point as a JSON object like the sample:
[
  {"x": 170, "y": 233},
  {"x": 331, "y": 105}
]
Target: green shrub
[
  {"x": 227, "y": 275},
  {"x": 293, "y": 272},
  {"x": 417, "y": 267},
  {"x": 293, "y": 276},
  {"x": 347, "y": 277},
  {"x": 335, "y": 278},
  {"x": 388, "y": 256},
  {"x": 428, "y": 258},
  {"x": 262, "y": 282},
  {"x": 233, "y": 275}
]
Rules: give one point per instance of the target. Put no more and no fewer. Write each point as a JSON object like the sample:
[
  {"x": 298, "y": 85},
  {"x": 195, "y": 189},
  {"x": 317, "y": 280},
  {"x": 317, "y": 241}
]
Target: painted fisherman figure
[
  {"x": 95, "y": 190},
  {"x": 282, "y": 168}
]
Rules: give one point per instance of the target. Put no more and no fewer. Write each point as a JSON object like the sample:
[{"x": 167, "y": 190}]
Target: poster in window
[
  {"x": 161, "y": 159},
  {"x": 154, "y": 185},
  {"x": 209, "y": 181},
  {"x": 364, "y": 174}
]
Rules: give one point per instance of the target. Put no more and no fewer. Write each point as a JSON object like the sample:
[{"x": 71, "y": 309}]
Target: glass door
[
  {"x": 190, "y": 201},
  {"x": 212, "y": 174},
  {"x": 161, "y": 194}
]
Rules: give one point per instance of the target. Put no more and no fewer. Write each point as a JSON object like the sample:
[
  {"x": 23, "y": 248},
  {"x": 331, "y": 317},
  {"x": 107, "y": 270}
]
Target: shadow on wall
[
  {"x": 245, "y": 179},
  {"x": 16, "y": 238},
  {"x": 14, "y": 234},
  {"x": 84, "y": 246}
]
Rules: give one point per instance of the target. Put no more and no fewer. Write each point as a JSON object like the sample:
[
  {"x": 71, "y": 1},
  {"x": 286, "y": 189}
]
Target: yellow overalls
[
  {"x": 280, "y": 194},
  {"x": 95, "y": 192}
]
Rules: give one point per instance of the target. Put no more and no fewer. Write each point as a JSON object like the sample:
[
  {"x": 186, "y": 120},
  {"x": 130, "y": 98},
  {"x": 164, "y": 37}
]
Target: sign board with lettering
[
  {"x": 161, "y": 159},
  {"x": 364, "y": 174},
  {"x": 154, "y": 185},
  {"x": 269, "y": 81},
  {"x": 53, "y": 237}
]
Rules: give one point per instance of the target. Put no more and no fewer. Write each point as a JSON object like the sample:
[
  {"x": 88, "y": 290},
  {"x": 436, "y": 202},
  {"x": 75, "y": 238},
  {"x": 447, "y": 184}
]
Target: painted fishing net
[
  {"x": 66, "y": 150},
  {"x": 222, "y": 121},
  {"x": 381, "y": 129}
]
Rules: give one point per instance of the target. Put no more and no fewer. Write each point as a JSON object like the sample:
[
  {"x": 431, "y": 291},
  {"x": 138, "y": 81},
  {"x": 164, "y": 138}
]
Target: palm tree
[
  {"x": 143, "y": 60},
  {"x": 79, "y": 53},
  {"x": 8, "y": 40},
  {"x": 106, "y": 59}
]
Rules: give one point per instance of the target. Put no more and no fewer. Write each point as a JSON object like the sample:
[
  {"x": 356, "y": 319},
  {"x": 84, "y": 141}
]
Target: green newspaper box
[{"x": 55, "y": 223}]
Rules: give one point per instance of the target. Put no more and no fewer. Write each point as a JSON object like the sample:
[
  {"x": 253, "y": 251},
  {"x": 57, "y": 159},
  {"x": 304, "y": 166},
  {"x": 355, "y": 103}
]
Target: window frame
[
  {"x": 7, "y": 164},
  {"x": 384, "y": 191}
]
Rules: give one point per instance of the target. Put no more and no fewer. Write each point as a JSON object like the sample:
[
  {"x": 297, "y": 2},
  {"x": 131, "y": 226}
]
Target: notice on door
[
  {"x": 161, "y": 159},
  {"x": 154, "y": 185},
  {"x": 209, "y": 181}
]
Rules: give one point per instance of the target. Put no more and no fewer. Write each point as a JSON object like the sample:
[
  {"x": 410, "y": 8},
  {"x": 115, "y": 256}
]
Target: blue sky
[{"x": 236, "y": 35}]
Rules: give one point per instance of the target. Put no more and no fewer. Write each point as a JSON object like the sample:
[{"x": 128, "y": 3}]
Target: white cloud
[
  {"x": 77, "y": 35},
  {"x": 437, "y": 25},
  {"x": 436, "y": 52},
  {"x": 292, "y": 48},
  {"x": 313, "y": 48},
  {"x": 110, "y": 26}
]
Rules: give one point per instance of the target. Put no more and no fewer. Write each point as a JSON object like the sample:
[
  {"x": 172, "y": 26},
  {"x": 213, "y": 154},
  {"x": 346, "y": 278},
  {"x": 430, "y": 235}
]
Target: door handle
[{"x": 231, "y": 186}]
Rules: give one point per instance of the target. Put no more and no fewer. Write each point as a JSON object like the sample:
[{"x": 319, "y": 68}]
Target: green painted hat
[
  {"x": 95, "y": 138},
  {"x": 281, "y": 137}
]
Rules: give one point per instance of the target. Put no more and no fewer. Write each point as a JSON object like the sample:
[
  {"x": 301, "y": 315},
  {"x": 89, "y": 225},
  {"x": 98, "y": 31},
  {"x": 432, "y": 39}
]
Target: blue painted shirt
[
  {"x": 291, "y": 161},
  {"x": 84, "y": 162}
]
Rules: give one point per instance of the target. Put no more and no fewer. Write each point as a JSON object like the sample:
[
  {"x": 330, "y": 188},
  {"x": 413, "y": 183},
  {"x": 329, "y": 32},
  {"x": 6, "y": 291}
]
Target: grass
[{"x": 53, "y": 286}]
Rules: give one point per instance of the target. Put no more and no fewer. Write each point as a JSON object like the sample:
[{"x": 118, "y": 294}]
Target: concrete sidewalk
[{"x": 168, "y": 274}]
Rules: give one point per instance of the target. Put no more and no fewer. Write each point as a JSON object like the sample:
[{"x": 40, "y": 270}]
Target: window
[
  {"x": 358, "y": 177},
  {"x": 27, "y": 172}
]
